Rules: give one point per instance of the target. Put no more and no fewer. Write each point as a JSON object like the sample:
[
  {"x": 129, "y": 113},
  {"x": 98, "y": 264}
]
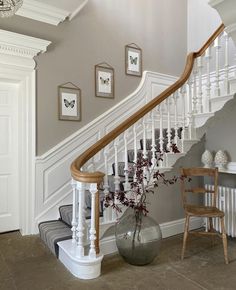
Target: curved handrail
[{"x": 96, "y": 177}]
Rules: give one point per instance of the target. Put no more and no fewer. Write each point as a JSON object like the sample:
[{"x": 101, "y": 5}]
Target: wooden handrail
[{"x": 97, "y": 177}]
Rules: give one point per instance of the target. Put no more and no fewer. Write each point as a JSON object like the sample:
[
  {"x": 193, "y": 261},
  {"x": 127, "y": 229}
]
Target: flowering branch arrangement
[{"x": 145, "y": 181}]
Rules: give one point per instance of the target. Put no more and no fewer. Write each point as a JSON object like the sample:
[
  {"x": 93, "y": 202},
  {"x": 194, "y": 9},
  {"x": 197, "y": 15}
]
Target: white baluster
[
  {"x": 74, "y": 221},
  {"x": 161, "y": 141},
  {"x": 117, "y": 177},
  {"x": 217, "y": 66},
  {"x": 190, "y": 112},
  {"x": 80, "y": 228},
  {"x": 154, "y": 160},
  {"x": 126, "y": 168},
  {"x": 168, "y": 124},
  {"x": 176, "y": 137},
  {"x": 92, "y": 232},
  {"x": 183, "y": 93},
  {"x": 208, "y": 83},
  {"x": 135, "y": 148},
  {"x": 107, "y": 211},
  {"x": 194, "y": 97},
  {"x": 144, "y": 138},
  {"x": 199, "y": 100},
  {"x": 226, "y": 80}
]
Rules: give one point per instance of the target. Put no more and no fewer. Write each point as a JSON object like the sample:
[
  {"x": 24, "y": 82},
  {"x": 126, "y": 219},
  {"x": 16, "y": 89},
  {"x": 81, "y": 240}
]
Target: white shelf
[{"x": 231, "y": 168}]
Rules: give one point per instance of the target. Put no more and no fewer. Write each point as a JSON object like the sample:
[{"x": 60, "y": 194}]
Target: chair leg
[
  {"x": 224, "y": 240},
  {"x": 185, "y": 236},
  {"x": 211, "y": 230}
]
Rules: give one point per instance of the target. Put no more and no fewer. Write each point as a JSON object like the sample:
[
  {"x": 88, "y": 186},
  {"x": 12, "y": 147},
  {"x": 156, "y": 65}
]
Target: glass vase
[{"x": 138, "y": 238}]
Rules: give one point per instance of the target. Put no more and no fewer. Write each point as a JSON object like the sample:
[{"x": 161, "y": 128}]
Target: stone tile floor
[{"x": 26, "y": 264}]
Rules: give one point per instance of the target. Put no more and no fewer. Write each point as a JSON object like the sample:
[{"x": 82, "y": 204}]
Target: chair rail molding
[
  {"x": 17, "y": 65},
  {"x": 53, "y": 176}
]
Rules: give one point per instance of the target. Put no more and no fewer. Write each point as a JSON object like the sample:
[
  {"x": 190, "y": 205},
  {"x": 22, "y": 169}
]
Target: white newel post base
[{"x": 82, "y": 268}]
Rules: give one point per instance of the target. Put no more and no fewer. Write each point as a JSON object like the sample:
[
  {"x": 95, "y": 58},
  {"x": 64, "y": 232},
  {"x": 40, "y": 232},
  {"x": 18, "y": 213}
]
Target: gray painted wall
[{"x": 99, "y": 33}]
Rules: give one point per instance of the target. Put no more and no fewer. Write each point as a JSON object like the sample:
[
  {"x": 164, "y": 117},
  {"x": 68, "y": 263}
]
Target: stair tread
[{"x": 52, "y": 232}]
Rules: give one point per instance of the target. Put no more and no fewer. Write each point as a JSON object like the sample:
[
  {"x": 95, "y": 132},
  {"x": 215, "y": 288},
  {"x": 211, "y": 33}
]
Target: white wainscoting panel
[{"x": 53, "y": 168}]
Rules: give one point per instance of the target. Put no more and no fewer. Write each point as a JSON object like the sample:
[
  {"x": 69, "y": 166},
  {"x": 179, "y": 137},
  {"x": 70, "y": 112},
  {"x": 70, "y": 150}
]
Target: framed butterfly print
[
  {"x": 133, "y": 60},
  {"x": 104, "y": 81},
  {"x": 69, "y": 96}
]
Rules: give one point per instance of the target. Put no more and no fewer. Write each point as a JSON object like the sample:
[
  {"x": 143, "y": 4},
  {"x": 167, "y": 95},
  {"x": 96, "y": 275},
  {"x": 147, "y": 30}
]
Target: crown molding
[
  {"x": 77, "y": 10},
  {"x": 12, "y": 43},
  {"x": 42, "y": 12},
  {"x": 214, "y": 3}
]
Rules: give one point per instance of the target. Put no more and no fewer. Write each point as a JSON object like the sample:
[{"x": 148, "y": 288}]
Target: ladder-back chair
[{"x": 209, "y": 212}]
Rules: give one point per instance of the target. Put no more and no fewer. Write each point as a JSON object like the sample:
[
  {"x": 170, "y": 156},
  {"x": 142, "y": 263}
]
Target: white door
[{"x": 9, "y": 199}]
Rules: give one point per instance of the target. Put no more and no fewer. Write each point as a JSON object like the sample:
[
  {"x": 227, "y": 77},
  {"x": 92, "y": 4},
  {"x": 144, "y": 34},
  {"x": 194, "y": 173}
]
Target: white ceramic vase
[
  {"x": 221, "y": 160},
  {"x": 207, "y": 159}
]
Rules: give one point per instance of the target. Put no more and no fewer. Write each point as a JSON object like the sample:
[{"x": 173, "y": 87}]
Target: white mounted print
[
  {"x": 69, "y": 102},
  {"x": 104, "y": 81},
  {"x": 133, "y": 60}
]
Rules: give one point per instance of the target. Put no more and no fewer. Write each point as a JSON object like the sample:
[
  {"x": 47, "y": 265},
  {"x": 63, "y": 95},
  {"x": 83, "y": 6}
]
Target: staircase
[{"x": 178, "y": 115}]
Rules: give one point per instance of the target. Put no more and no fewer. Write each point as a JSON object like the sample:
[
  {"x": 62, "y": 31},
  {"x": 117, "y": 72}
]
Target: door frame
[{"x": 17, "y": 65}]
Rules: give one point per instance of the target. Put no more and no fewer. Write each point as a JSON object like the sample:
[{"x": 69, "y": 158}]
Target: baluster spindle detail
[
  {"x": 92, "y": 232},
  {"x": 80, "y": 228},
  {"x": 194, "y": 97},
  {"x": 135, "y": 148},
  {"x": 74, "y": 221},
  {"x": 175, "y": 97},
  {"x": 199, "y": 103},
  {"x": 144, "y": 139},
  {"x": 117, "y": 177},
  {"x": 126, "y": 168},
  {"x": 161, "y": 141},
  {"x": 190, "y": 112},
  {"x": 208, "y": 82},
  {"x": 217, "y": 66},
  {"x": 183, "y": 93},
  {"x": 154, "y": 160},
  {"x": 168, "y": 124},
  {"x": 106, "y": 211},
  {"x": 226, "y": 80}
]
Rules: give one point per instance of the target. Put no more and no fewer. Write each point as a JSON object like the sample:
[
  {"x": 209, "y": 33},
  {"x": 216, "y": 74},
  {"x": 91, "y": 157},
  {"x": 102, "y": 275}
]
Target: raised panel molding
[{"x": 52, "y": 170}]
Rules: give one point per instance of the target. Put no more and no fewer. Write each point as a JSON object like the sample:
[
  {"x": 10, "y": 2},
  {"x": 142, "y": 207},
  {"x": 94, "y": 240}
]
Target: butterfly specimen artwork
[
  {"x": 133, "y": 60},
  {"x": 69, "y": 102},
  {"x": 104, "y": 80}
]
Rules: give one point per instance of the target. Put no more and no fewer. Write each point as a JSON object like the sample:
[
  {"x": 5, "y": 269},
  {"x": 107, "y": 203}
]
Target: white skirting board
[{"x": 168, "y": 229}]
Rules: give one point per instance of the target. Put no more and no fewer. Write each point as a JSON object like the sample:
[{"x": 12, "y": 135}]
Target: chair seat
[{"x": 203, "y": 211}]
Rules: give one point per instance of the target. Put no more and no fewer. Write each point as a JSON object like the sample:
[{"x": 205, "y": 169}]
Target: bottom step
[{"x": 52, "y": 232}]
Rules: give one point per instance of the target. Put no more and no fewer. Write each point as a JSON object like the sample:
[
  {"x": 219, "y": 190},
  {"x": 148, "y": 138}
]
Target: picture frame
[
  {"x": 133, "y": 60},
  {"x": 69, "y": 102},
  {"x": 104, "y": 81}
]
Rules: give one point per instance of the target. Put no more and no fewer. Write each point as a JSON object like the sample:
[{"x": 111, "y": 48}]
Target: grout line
[{"x": 188, "y": 279}]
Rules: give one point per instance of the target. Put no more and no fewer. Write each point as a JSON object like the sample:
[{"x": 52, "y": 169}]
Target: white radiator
[{"x": 226, "y": 201}]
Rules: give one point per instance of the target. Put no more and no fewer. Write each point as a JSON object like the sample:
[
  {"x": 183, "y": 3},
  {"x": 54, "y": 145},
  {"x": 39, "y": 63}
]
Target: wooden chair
[{"x": 201, "y": 210}]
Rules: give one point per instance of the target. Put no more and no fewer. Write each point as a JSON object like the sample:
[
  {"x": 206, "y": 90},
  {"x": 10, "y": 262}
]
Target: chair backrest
[{"x": 198, "y": 172}]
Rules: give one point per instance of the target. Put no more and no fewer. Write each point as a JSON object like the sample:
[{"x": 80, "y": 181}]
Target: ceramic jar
[
  {"x": 221, "y": 160},
  {"x": 207, "y": 159}
]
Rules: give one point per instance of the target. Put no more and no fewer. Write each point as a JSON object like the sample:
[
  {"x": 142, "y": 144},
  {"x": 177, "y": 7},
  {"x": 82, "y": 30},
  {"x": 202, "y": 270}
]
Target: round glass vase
[{"x": 138, "y": 238}]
